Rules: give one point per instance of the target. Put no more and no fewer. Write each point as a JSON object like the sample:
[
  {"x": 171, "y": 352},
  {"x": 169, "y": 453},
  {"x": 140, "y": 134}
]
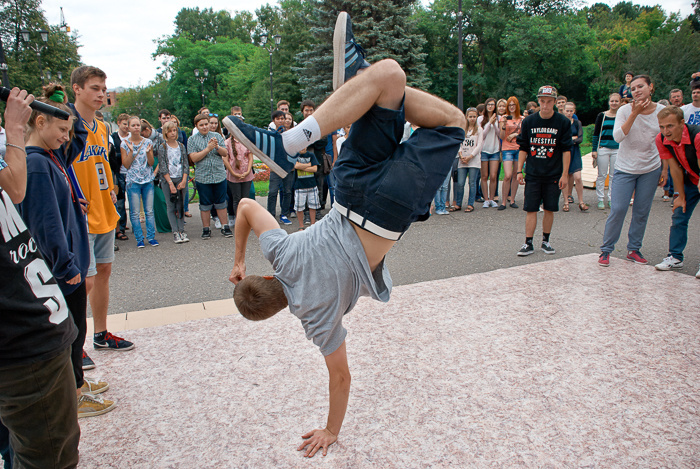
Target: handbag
[{"x": 327, "y": 163}]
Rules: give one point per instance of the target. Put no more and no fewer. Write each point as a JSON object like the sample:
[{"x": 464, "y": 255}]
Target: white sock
[{"x": 299, "y": 137}]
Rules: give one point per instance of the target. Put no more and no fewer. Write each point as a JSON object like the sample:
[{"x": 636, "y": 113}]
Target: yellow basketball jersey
[{"x": 95, "y": 181}]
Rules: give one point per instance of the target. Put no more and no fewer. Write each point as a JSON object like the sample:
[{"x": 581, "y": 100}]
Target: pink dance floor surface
[{"x": 555, "y": 364}]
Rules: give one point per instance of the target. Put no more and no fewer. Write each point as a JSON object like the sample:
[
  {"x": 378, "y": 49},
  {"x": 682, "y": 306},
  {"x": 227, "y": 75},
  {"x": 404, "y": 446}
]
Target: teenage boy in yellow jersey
[{"x": 94, "y": 178}]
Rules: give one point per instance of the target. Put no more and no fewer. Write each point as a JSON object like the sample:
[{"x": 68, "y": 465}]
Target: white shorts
[{"x": 302, "y": 196}]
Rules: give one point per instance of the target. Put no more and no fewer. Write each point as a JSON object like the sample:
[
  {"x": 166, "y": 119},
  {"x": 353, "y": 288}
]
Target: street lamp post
[
  {"x": 3, "y": 67},
  {"x": 204, "y": 76},
  {"x": 271, "y": 48},
  {"x": 460, "y": 66},
  {"x": 44, "y": 35}
]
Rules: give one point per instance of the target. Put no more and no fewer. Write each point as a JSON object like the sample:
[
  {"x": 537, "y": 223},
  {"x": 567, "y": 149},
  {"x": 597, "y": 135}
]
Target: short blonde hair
[{"x": 168, "y": 126}]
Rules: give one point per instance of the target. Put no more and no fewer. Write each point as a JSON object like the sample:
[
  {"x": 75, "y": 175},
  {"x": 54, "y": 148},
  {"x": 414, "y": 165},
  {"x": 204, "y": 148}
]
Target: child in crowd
[
  {"x": 305, "y": 188},
  {"x": 214, "y": 124},
  {"x": 469, "y": 161},
  {"x": 576, "y": 165},
  {"x": 53, "y": 210},
  {"x": 137, "y": 158},
  {"x": 509, "y": 130},
  {"x": 239, "y": 174},
  {"x": 174, "y": 169}
]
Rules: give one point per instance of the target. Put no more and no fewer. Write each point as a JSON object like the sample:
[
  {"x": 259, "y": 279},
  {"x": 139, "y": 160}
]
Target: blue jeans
[
  {"x": 624, "y": 185},
  {"x": 669, "y": 184},
  {"x": 277, "y": 185},
  {"x": 441, "y": 195},
  {"x": 474, "y": 177},
  {"x": 679, "y": 222},
  {"x": 137, "y": 193},
  {"x": 330, "y": 182}
]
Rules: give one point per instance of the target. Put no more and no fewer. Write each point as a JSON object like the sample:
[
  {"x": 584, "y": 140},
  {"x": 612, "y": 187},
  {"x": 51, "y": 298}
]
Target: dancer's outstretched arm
[
  {"x": 250, "y": 216},
  {"x": 339, "y": 391}
]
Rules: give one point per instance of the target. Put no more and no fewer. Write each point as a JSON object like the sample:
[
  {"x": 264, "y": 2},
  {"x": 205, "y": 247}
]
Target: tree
[
  {"x": 58, "y": 54},
  {"x": 385, "y": 28}
]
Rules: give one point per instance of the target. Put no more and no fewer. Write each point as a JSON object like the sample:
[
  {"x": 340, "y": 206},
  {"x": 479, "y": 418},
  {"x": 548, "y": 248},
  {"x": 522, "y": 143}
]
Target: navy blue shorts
[
  {"x": 384, "y": 186},
  {"x": 212, "y": 195}
]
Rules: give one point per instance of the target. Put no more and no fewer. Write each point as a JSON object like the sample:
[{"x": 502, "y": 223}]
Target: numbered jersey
[
  {"x": 35, "y": 323},
  {"x": 93, "y": 176}
]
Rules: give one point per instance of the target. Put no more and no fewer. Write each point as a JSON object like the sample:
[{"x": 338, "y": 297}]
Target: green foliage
[
  {"x": 385, "y": 28},
  {"x": 58, "y": 54}
]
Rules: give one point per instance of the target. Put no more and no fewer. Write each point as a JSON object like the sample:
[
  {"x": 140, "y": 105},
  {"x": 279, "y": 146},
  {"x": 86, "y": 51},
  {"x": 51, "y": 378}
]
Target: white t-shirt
[
  {"x": 691, "y": 114},
  {"x": 174, "y": 162},
  {"x": 472, "y": 146},
  {"x": 339, "y": 142},
  {"x": 491, "y": 144},
  {"x": 3, "y": 142},
  {"x": 638, "y": 153}
]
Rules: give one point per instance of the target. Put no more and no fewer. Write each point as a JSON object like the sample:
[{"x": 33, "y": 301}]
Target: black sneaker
[
  {"x": 88, "y": 364},
  {"x": 226, "y": 231},
  {"x": 547, "y": 248},
  {"x": 348, "y": 56},
  {"x": 108, "y": 341},
  {"x": 206, "y": 233},
  {"x": 526, "y": 250}
]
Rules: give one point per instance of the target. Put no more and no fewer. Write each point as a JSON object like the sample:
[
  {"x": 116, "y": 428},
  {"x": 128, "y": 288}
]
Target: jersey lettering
[
  {"x": 93, "y": 150},
  {"x": 37, "y": 273},
  {"x": 11, "y": 223}
]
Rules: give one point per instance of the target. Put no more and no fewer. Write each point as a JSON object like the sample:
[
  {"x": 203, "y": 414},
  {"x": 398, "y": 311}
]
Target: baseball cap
[{"x": 547, "y": 91}]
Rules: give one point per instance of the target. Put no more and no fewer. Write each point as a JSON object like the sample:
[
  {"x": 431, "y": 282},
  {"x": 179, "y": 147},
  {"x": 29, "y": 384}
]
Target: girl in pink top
[
  {"x": 509, "y": 130},
  {"x": 239, "y": 174}
]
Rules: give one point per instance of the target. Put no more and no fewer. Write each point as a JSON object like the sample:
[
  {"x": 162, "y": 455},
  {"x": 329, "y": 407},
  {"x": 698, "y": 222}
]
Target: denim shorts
[
  {"x": 510, "y": 155},
  {"x": 212, "y": 195},
  {"x": 384, "y": 186},
  {"x": 101, "y": 250},
  {"x": 490, "y": 156}
]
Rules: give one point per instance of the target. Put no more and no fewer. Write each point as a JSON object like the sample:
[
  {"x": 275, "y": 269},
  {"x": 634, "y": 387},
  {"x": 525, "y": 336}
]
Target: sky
[{"x": 122, "y": 41}]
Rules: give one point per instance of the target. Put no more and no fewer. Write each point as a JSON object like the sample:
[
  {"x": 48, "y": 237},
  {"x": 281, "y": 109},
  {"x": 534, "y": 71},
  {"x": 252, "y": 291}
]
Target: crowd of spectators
[{"x": 69, "y": 184}]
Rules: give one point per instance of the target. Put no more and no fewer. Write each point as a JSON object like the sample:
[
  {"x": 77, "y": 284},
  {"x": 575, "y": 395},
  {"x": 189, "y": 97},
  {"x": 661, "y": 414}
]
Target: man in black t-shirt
[
  {"x": 545, "y": 143},
  {"x": 38, "y": 403}
]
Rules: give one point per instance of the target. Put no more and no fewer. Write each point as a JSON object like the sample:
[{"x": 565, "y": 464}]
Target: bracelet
[{"x": 17, "y": 147}]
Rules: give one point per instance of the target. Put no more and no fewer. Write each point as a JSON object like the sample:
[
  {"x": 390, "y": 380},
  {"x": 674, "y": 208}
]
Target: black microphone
[{"x": 38, "y": 106}]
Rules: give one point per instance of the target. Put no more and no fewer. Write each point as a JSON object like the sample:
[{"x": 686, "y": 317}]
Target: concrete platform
[{"x": 554, "y": 364}]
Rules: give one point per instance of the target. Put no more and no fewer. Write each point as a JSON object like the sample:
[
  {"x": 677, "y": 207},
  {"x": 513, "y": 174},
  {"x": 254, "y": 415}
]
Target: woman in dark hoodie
[{"x": 54, "y": 211}]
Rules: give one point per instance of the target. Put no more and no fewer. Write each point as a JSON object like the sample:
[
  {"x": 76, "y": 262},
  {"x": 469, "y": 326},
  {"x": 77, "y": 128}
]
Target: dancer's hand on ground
[
  {"x": 317, "y": 439},
  {"x": 237, "y": 274},
  {"x": 678, "y": 202}
]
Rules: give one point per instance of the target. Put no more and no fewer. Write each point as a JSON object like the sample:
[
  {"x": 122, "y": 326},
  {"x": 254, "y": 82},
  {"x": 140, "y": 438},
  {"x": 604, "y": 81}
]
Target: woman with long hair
[
  {"x": 469, "y": 161},
  {"x": 509, "y": 130},
  {"x": 489, "y": 152},
  {"x": 576, "y": 164},
  {"x": 605, "y": 148},
  {"x": 637, "y": 170}
]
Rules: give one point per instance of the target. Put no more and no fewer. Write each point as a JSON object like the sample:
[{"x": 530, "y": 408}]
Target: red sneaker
[
  {"x": 636, "y": 257},
  {"x": 604, "y": 259}
]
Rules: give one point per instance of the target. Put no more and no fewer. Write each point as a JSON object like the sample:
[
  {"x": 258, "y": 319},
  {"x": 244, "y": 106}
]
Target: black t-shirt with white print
[
  {"x": 35, "y": 323},
  {"x": 544, "y": 141}
]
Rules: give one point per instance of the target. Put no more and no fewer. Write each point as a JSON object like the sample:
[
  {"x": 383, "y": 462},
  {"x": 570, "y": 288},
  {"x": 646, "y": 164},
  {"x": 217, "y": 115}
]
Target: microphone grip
[{"x": 38, "y": 106}]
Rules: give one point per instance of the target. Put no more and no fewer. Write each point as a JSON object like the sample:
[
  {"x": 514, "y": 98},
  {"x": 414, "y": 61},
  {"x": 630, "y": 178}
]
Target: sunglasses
[{"x": 213, "y": 115}]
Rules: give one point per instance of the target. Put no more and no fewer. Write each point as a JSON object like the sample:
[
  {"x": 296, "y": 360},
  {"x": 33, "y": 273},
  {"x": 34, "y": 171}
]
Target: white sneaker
[
  {"x": 184, "y": 238},
  {"x": 178, "y": 238},
  {"x": 669, "y": 263},
  {"x": 217, "y": 223},
  {"x": 487, "y": 204},
  {"x": 493, "y": 203},
  {"x": 232, "y": 222}
]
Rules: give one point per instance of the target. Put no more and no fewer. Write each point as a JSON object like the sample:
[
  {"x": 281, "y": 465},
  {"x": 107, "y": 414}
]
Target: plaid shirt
[{"x": 210, "y": 169}]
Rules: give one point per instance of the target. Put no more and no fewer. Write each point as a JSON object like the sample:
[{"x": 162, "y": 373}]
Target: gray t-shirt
[
  {"x": 638, "y": 153},
  {"x": 324, "y": 270}
]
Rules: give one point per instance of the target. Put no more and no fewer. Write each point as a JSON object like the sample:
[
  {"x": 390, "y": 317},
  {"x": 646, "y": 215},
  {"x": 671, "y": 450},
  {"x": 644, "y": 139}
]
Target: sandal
[
  {"x": 188, "y": 214},
  {"x": 469, "y": 208},
  {"x": 571, "y": 200},
  {"x": 566, "y": 207},
  {"x": 455, "y": 208},
  {"x": 583, "y": 206},
  {"x": 121, "y": 236}
]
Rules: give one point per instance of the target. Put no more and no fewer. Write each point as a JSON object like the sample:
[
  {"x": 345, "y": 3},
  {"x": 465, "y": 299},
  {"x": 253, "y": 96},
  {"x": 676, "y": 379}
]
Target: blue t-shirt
[
  {"x": 306, "y": 179},
  {"x": 329, "y": 143}
]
